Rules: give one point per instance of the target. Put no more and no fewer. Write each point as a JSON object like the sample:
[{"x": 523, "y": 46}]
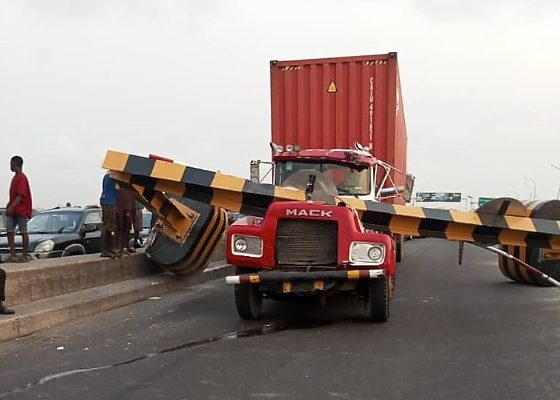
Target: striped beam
[
  {"x": 175, "y": 220},
  {"x": 240, "y": 195},
  {"x": 220, "y": 190}
]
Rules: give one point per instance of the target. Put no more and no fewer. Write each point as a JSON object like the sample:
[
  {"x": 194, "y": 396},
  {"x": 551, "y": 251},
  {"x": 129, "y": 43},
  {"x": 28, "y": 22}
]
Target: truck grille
[{"x": 301, "y": 242}]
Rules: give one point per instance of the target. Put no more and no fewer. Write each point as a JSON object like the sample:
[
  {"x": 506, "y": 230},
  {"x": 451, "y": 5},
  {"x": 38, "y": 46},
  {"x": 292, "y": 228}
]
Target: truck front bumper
[{"x": 279, "y": 276}]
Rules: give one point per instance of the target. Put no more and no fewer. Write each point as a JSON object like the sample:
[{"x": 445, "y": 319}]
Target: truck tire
[
  {"x": 248, "y": 298},
  {"x": 377, "y": 304}
]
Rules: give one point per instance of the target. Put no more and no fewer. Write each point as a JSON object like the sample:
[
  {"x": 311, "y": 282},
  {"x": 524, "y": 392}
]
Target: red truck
[{"x": 338, "y": 132}]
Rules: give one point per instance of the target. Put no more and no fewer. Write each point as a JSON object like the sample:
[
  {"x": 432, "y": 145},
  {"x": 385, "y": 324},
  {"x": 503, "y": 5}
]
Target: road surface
[{"x": 454, "y": 333}]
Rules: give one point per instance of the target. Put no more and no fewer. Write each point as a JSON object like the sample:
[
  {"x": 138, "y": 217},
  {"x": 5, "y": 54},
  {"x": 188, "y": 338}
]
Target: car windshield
[
  {"x": 348, "y": 181},
  {"x": 54, "y": 222}
]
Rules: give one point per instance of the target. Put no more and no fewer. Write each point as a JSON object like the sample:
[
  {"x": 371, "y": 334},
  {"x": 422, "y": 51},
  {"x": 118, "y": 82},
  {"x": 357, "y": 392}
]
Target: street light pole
[
  {"x": 558, "y": 168},
  {"x": 534, "y": 184}
]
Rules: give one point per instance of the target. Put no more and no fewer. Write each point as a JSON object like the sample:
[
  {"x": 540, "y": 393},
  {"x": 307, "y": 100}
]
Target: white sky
[{"x": 190, "y": 80}]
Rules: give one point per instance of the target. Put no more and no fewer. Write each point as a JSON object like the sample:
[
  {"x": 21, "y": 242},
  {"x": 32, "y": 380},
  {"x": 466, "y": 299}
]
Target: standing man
[
  {"x": 125, "y": 209},
  {"x": 108, "y": 203},
  {"x": 18, "y": 210},
  {"x": 137, "y": 224},
  {"x": 3, "y": 309}
]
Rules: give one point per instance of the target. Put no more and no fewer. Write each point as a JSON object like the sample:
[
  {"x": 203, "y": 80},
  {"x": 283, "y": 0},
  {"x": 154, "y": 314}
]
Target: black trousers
[{"x": 2, "y": 284}]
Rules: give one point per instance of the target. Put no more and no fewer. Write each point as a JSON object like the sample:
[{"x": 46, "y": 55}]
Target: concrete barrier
[
  {"x": 54, "y": 277},
  {"x": 48, "y": 292}
]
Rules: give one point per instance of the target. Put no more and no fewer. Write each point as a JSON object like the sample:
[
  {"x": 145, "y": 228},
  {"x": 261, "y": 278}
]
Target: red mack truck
[{"x": 338, "y": 132}]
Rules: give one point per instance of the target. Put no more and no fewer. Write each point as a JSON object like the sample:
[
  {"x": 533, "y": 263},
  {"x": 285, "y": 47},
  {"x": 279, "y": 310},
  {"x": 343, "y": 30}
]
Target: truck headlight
[
  {"x": 249, "y": 246},
  {"x": 367, "y": 253},
  {"x": 44, "y": 247}
]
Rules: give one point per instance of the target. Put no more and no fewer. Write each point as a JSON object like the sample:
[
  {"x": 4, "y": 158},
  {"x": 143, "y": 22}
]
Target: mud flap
[{"x": 193, "y": 255}]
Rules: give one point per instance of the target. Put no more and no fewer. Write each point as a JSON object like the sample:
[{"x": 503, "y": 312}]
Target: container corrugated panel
[{"x": 334, "y": 102}]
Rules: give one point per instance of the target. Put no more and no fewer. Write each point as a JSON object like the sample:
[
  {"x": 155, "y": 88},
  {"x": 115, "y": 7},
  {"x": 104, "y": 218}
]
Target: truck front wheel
[
  {"x": 248, "y": 298},
  {"x": 377, "y": 304}
]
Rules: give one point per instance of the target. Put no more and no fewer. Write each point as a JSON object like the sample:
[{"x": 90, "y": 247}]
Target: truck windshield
[{"x": 348, "y": 181}]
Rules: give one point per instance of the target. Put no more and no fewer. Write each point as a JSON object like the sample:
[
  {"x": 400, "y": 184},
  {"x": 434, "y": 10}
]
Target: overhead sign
[
  {"x": 483, "y": 200},
  {"x": 447, "y": 197}
]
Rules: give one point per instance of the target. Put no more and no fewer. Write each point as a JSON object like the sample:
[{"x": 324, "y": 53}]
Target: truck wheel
[
  {"x": 377, "y": 304},
  {"x": 248, "y": 298}
]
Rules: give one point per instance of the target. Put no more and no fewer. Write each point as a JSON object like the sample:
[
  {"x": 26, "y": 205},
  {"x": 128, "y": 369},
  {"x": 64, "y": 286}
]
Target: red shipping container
[{"x": 334, "y": 102}]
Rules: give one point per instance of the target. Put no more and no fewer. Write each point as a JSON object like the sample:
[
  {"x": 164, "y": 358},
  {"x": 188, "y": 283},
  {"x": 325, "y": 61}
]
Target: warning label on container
[{"x": 332, "y": 87}]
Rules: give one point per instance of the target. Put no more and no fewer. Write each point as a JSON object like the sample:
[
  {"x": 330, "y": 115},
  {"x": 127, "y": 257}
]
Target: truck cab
[
  {"x": 309, "y": 249},
  {"x": 318, "y": 247}
]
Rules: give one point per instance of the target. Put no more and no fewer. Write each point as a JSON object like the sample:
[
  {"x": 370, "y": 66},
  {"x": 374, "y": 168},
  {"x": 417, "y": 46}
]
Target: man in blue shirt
[{"x": 108, "y": 203}]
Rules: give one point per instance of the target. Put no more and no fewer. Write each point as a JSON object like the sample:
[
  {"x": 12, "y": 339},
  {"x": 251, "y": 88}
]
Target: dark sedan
[{"x": 60, "y": 232}]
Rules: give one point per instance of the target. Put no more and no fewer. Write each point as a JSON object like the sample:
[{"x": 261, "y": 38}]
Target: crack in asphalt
[{"x": 268, "y": 329}]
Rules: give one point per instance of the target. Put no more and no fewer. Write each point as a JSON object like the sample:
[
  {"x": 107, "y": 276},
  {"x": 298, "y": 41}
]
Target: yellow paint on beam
[
  {"x": 555, "y": 243},
  {"x": 353, "y": 202},
  {"x": 458, "y": 231},
  {"x": 228, "y": 182},
  {"x": 174, "y": 188},
  {"x": 404, "y": 225},
  {"x": 228, "y": 200},
  {"x": 283, "y": 193},
  {"x": 168, "y": 171},
  {"x": 407, "y": 211},
  {"x": 120, "y": 176},
  {"x": 512, "y": 238},
  {"x": 115, "y": 160},
  {"x": 464, "y": 217},
  {"x": 228, "y": 192},
  {"x": 157, "y": 201},
  {"x": 520, "y": 223}
]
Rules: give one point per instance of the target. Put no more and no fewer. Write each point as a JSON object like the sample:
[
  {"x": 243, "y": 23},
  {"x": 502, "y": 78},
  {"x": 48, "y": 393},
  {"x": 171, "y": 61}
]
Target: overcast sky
[{"x": 190, "y": 80}]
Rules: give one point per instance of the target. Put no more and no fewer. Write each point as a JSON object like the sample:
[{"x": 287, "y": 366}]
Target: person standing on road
[
  {"x": 138, "y": 224},
  {"x": 125, "y": 209},
  {"x": 3, "y": 309},
  {"x": 18, "y": 210},
  {"x": 108, "y": 203}
]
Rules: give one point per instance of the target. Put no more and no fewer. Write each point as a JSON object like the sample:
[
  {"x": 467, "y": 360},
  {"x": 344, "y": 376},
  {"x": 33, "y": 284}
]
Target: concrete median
[{"x": 48, "y": 292}]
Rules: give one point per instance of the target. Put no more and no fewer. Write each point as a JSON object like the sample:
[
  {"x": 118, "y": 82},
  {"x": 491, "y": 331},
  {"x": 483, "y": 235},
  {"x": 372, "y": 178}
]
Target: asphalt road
[{"x": 454, "y": 333}]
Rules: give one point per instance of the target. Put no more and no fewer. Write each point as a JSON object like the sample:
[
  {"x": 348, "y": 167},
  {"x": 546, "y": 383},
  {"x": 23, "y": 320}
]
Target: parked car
[
  {"x": 2, "y": 221},
  {"x": 60, "y": 232}
]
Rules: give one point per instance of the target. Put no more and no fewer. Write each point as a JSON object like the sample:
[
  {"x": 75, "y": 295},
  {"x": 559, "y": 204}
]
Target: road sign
[
  {"x": 447, "y": 197},
  {"x": 483, "y": 200}
]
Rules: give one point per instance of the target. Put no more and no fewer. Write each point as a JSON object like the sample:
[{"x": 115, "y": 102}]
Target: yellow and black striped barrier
[
  {"x": 545, "y": 260},
  {"x": 505, "y": 226}
]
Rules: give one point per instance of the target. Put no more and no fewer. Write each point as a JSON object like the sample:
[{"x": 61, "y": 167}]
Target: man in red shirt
[{"x": 18, "y": 210}]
